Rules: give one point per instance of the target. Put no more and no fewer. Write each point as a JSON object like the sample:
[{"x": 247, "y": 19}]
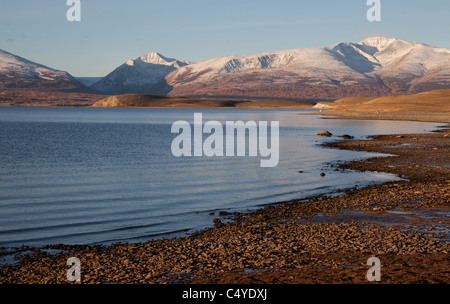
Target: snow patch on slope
[{"x": 12, "y": 66}]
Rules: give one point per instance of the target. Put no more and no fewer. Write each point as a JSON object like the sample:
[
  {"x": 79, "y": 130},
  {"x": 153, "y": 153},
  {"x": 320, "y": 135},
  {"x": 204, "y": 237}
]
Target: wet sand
[{"x": 319, "y": 240}]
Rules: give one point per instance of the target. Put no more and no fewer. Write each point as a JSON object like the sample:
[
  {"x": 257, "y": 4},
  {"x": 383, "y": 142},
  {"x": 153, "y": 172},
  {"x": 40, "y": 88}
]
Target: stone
[
  {"x": 324, "y": 133},
  {"x": 217, "y": 223},
  {"x": 346, "y": 136}
]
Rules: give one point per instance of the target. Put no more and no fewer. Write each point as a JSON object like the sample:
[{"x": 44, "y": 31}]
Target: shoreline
[
  {"x": 437, "y": 117},
  {"x": 319, "y": 240}
]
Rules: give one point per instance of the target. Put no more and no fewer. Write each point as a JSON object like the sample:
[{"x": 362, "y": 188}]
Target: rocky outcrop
[{"x": 324, "y": 133}]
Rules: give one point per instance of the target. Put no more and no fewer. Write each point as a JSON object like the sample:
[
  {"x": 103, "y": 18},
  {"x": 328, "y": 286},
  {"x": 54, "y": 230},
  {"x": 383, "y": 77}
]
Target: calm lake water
[{"x": 100, "y": 176}]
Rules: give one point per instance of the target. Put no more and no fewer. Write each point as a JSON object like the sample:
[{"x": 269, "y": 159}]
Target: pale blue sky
[{"x": 113, "y": 31}]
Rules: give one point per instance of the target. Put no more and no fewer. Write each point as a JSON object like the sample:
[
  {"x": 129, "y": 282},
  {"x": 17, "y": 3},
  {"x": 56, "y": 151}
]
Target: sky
[{"x": 112, "y": 31}]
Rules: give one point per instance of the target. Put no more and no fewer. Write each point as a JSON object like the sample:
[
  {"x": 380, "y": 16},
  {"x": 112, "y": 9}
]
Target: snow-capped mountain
[
  {"x": 25, "y": 82},
  {"x": 139, "y": 75},
  {"x": 14, "y": 66},
  {"x": 375, "y": 66}
]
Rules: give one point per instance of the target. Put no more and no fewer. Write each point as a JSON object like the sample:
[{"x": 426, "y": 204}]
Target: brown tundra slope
[
  {"x": 23, "y": 82},
  {"x": 427, "y": 106}
]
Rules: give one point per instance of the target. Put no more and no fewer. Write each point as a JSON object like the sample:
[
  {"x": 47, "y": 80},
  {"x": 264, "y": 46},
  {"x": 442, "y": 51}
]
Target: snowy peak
[
  {"x": 139, "y": 75},
  {"x": 405, "y": 58},
  {"x": 15, "y": 66},
  {"x": 394, "y": 48},
  {"x": 155, "y": 58},
  {"x": 158, "y": 59},
  {"x": 380, "y": 42}
]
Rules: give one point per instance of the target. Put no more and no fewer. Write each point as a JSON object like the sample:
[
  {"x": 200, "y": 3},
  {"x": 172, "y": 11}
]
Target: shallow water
[{"x": 94, "y": 175}]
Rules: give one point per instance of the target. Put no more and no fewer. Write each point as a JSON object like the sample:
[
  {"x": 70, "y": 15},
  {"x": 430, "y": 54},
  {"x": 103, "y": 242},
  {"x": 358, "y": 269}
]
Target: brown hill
[
  {"x": 432, "y": 101},
  {"x": 426, "y": 106},
  {"x": 158, "y": 101},
  {"x": 36, "y": 92}
]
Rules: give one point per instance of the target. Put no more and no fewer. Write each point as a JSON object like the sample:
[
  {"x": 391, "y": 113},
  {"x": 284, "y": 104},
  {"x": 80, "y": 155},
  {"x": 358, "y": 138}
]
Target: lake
[{"x": 106, "y": 175}]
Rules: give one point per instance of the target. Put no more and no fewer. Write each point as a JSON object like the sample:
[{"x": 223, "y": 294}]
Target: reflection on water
[{"x": 92, "y": 175}]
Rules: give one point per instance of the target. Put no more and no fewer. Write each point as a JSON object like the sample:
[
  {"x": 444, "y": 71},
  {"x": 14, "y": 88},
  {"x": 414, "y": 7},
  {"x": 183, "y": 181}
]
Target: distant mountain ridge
[
  {"x": 88, "y": 81},
  {"x": 375, "y": 66}
]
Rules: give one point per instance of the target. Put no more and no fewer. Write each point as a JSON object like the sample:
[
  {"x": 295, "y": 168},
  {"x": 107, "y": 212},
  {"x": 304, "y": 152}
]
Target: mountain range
[{"x": 376, "y": 66}]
